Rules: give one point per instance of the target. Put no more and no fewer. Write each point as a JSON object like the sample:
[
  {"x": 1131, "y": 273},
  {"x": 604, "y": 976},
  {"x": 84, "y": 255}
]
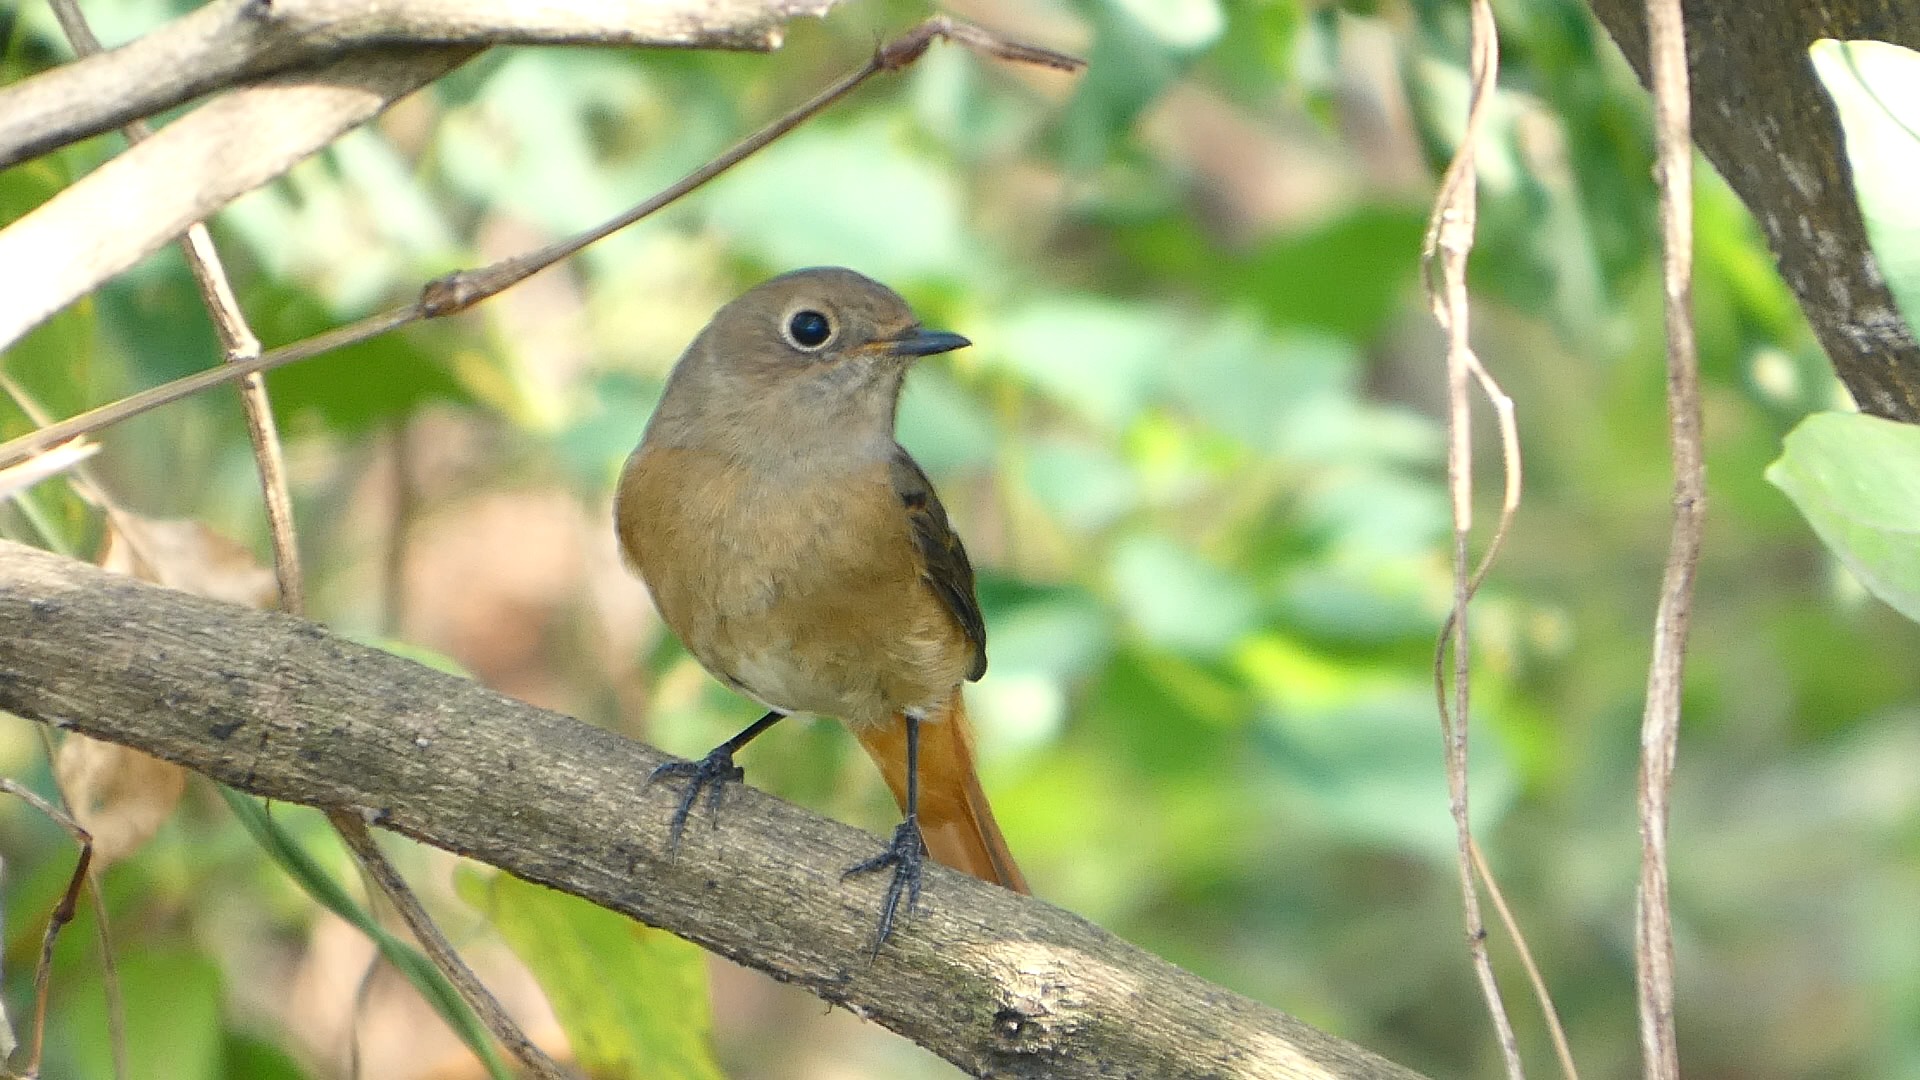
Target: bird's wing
[{"x": 943, "y": 561}]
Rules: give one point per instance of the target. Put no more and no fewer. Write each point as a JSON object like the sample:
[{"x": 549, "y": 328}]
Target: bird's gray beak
[{"x": 919, "y": 341}]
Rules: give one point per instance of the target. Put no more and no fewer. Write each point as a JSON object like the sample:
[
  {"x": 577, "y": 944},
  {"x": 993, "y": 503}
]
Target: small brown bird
[{"x": 803, "y": 558}]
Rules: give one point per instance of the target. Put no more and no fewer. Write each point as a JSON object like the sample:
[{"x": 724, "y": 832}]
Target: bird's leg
[
  {"x": 908, "y": 851},
  {"x": 710, "y": 774}
]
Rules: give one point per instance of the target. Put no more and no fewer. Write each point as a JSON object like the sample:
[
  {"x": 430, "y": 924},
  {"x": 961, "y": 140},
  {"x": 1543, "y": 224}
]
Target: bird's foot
[
  {"x": 710, "y": 774},
  {"x": 907, "y": 855}
]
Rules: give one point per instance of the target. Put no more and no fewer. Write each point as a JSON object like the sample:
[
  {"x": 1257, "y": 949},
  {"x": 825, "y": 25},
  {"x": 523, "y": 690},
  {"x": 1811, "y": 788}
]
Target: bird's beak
[{"x": 919, "y": 341}]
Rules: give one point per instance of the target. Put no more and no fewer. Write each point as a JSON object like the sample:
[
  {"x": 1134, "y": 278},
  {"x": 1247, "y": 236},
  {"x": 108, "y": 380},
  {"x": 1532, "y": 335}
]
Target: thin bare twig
[
  {"x": 63, "y": 913},
  {"x": 1660, "y": 726},
  {"x": 25, "y": 446},
  {"x": 494, "y": 1015},
  {"x": 1555, "y": 1030},
  {"x": 85, "y": 481},
  {"x": 238, "y": 341},
  {"x": 462, "y": 289},
  {"x": 103, "y": 933},
  {"x": 1449, "y": 240},
  {"x": 109, "y": 977}
]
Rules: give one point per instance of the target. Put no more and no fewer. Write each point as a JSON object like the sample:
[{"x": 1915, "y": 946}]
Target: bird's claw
[
  {"x": 711, "y": 774},
  {"x": 907, "y": 856}
]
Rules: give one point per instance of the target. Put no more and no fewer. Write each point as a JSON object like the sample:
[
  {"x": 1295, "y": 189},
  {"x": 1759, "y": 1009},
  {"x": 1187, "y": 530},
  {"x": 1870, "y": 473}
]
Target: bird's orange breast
[{"x": 805, "y": 592}]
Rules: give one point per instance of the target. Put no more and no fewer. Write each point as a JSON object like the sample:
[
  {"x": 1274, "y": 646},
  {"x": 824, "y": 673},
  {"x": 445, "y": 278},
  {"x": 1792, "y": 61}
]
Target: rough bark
[
  {"x": 999, "y": 984},
  {"x": 1762, "y": 118}
]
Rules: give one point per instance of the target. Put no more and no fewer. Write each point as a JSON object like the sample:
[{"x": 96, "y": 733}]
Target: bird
[{"x": 803, "y": 558}]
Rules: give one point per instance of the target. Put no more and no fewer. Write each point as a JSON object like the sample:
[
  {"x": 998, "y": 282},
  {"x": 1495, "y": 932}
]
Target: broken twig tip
[{"x": 908, "y": 47}]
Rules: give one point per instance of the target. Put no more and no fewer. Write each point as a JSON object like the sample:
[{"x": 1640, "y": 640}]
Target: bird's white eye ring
[{"x": 808, "y": 330}]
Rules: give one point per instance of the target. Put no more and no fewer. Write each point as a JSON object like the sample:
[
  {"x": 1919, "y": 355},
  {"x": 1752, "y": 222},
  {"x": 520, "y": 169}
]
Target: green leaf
[
  {"x": 1856, "y": 478},
  {"x": 1083, "y": 484},
  {"x": 1376, "y": 514},
  {"x": 256, "y": 1058},
  {"x": 359, "y": 387},
  {"x": 1345, "y": 277},
  {"x": 1257, "y": 386},
  {"x": 1362, "y": 745},
  {"x": 943, "y": 426},
  {"x": 632, "y": 999},
  {"x": 419, "y": 654},
  {"x": 1876, "y": 88},
  {"x": 869, "y": 202},
  {"x": 1101, "y": 357},
  {"x": 53, "y": 363},
  {"x": 1056, "y": 630},
  {"x": 1256, "y": 52},
  {"x": 1139, "y": 48},
  {"x": 172, "y": 1001},
  {"x": 1179, "y": 602},
  {"x": 305, "y": 872},
  {"x": 1359, "y": 602}
]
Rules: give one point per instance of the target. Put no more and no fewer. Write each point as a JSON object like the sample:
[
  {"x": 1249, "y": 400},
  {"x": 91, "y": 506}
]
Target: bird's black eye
[{"x": 809, "y": 329}]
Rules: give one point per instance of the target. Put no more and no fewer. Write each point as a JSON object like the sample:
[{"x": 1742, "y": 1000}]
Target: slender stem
[
  {"x": 1555, "y": 1030},
  {"x": 1660, "y": 725},
  {"x": 238, "y": 341},
  {"x": 62, "y": 914},
  {"x": 376, "y": 865},
  {"x": 1450, "y": 237}
]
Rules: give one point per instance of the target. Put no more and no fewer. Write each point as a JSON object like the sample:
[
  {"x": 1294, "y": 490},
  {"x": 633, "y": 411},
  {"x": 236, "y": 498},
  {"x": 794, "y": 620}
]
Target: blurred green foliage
[{"x": 1195, "y": 453}]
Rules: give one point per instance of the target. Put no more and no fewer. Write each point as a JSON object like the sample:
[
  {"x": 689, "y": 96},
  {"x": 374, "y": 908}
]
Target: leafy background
[{"x": 1195, "y": 452}]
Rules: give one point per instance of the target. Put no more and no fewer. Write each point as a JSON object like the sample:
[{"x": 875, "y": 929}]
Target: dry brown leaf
[
  {"x": 188, "y": 556},
  {"x": 119, "y": 795},
  {"x": 123, "y": 796}
]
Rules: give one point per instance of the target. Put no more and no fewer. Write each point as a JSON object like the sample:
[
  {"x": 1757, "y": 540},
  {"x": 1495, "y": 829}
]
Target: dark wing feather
[{"x": 947, "y": 570}]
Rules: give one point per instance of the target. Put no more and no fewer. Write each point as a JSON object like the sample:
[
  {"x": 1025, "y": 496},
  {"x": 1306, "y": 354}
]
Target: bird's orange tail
[{"x": 954, "y": 816}]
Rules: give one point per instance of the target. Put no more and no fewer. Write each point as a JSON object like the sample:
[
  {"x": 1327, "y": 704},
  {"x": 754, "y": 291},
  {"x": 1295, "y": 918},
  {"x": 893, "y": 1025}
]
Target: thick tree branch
[
  {"x": 228, "y": 42},
  {"x": 999, "y": 984},
  {"x": 1763, "y": 120}
]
